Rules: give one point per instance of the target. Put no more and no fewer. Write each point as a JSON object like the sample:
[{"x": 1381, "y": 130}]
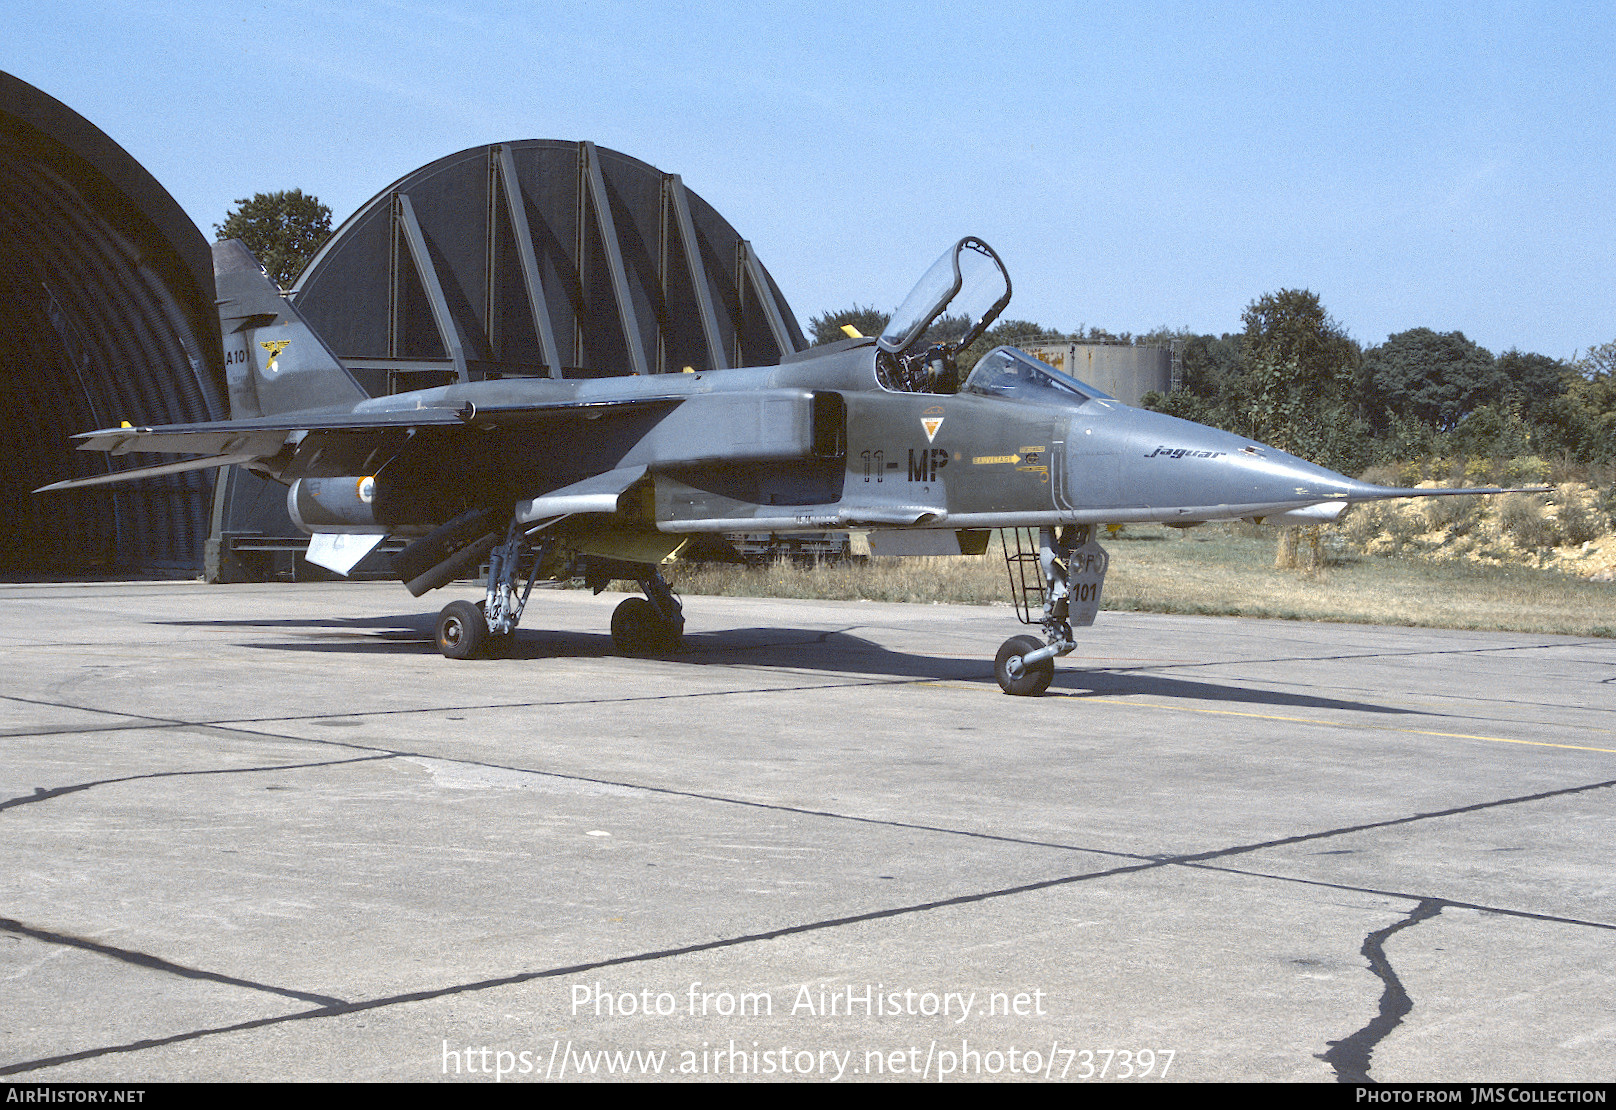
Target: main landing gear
[
  {"x": 489, "y": 627},
  {"x": 1068, "y": 579},
  {"x": 648, "y": 625}
]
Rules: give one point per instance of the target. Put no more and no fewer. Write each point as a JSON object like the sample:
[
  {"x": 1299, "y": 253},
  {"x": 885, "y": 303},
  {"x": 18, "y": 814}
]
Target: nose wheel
[{"x": 1016, "y": 677}]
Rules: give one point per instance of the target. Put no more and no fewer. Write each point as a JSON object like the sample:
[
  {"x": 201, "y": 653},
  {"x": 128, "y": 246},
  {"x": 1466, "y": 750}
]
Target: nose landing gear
[
  {"x": 1069, "y": 574},
  {"x": 1015, "y": 675}
]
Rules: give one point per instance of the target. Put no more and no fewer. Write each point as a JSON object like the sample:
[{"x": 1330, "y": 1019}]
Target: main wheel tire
[
  {"x": 462, "y": 630},
  {"x": 633, "y": 626},
  {"x": 638, "y": 629},
  {"x": 1033, "y": 680},
  {"x": 498, "y": 643}
]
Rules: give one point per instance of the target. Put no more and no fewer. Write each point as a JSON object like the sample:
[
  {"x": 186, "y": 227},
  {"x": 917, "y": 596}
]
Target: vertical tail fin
[{"x": 274, "y": 362}]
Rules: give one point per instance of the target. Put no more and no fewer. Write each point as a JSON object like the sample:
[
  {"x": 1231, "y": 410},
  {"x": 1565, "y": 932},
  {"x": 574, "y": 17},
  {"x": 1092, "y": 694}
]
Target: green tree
[
  {"x": 1530, "y": 381},
  {"x": 282, "y": 229},
  {"x": 1298, "y": 388},
  {"x": 1599, "y": 362},
  {"x": 1494, "y": 430},
  {"x": 1210, "y": 387},
  {"x": 1296, "y": 392},
  {"x": 1580, "y": 421},
  {"x": 1005, "y": 333},
  {"x": 1437, "y": 377},
  {"x": 1290, "y": 379},
  {"x": 867, "y": 319}
]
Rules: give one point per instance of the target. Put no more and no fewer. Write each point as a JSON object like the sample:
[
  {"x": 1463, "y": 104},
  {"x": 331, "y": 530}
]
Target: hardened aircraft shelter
[
  {"x": 538, "y": 257},
  {"x": 106, "y": 307},
  {"x": 535, "y": 258}
]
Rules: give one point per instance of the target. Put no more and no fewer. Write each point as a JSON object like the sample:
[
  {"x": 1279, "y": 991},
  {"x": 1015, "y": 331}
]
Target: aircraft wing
[
  {"x": 130, "y": 475},
  {"x": 232, "y": 442},
  {"x": 258, "y": 437}
]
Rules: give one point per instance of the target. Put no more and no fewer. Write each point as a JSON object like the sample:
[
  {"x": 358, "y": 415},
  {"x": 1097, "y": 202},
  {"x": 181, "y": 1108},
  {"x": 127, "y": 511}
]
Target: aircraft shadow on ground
[{"x": 836, "y": 652}]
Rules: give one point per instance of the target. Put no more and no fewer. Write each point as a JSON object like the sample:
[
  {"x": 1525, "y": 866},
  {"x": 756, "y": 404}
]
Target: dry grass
[
  {"x": 1218, "y": 570},
  {"x": 1566, "y": 530},
  {"x": 1230, "y": 571},
  {"x": 962, "y": 580}
]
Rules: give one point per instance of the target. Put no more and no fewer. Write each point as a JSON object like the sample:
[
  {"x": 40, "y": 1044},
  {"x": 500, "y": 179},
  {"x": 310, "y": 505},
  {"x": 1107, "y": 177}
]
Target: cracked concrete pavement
[{"x": 266, "y": 832}]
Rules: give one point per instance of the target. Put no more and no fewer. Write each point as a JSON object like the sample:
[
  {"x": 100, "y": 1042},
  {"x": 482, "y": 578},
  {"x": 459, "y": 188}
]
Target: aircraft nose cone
[{"x": 1135, "y": 459}]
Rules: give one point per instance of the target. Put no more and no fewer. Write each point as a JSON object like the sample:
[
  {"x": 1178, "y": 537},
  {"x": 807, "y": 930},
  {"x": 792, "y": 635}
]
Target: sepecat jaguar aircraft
[{"x": 608, "y": 478}]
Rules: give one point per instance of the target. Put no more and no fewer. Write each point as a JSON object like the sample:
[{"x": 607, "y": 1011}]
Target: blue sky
[{"x": 1137, "y": 164}]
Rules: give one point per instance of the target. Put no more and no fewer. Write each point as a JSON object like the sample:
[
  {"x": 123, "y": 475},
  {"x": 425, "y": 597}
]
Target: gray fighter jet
[{"x": 607, "y": 478}]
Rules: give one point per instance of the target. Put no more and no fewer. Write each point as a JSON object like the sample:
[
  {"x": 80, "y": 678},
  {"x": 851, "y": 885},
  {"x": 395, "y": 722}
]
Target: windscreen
[{"x": 1007, "y": 372}]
